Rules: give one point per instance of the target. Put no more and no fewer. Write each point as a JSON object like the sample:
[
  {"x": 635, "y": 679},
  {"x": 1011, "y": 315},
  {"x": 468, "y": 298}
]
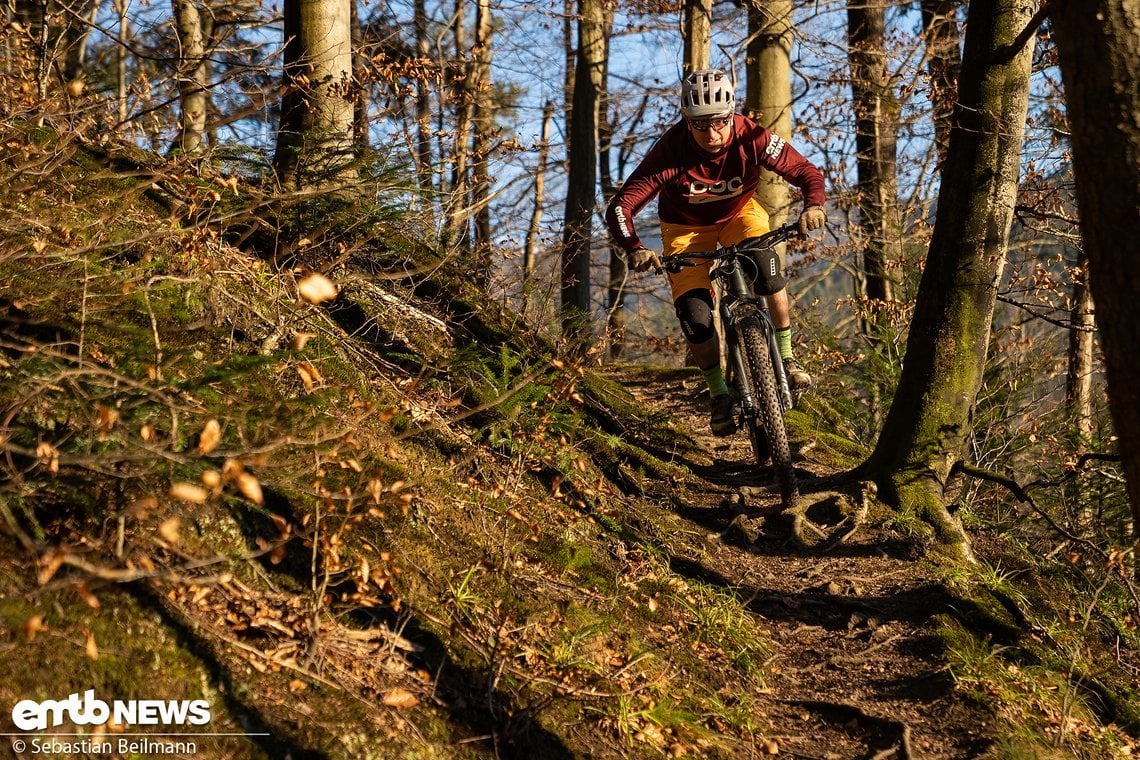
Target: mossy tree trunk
[
  {"x": 1097, "y": 42},
  {"x": 930, "y": 420},
  {"x": 314, "y": 143}
]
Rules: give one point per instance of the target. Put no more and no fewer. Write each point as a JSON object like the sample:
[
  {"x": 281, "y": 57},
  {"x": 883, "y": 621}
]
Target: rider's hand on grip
[
  {"x": 812, "y": 218},
  {"x": 644, "y": 259}
]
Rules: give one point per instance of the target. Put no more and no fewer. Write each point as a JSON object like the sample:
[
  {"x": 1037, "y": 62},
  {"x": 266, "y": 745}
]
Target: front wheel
[{"x": 772, "y": 439}]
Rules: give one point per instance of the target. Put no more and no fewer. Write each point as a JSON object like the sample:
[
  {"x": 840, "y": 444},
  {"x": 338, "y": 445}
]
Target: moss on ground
[{"x": 391, "y": 524}]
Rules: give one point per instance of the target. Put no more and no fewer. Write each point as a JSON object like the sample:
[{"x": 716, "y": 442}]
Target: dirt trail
[{"x": 857, "y": 668}]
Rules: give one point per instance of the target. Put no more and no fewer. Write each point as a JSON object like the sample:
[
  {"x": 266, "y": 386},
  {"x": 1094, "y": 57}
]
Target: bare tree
[
  {"x": 56, "y": 33},
  {"x": 581, "y": 193},
  {"x": 877, "y": 111},
  {"x": 1097, "y": 42},
  {"x": 943, "y": 64},
  {"x": 461, "y": 91},
  {"x": 194, "y": 30},
  {"x": 483, "y": 122},
  {"x": 697, "y": 32},
  {"x": 423, "y": 150},
  {"x": 530, "y": 249},
  {"x": 1078, "y": 382},
  {"x": 925, "y": 433},
  {"x": 769, "y": 90}
]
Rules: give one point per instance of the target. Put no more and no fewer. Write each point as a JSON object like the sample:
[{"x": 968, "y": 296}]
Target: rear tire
[{"x": 774, "y": 433}]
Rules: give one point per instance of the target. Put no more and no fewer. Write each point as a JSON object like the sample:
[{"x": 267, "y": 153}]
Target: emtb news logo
[{"x": 30, "y": 715}]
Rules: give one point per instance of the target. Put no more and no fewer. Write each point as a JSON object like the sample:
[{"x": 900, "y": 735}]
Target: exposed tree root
[{"x": 842, "y": 518}]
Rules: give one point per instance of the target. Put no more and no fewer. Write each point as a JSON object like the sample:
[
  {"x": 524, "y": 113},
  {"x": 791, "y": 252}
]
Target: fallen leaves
[
  {"x": 400, "y": 698},
  {"x": 316, "y": 288},
  {"x": 33, "y": 626},
  {"x": 250, "y": 487},
  {"x": 210, "y": 437},
  {"x": 189, "y": 492},
  {"x": 91, "y": 649},
  {"x": 170, "y": 530},
  {"x": 310, "y": 376},
  {"x": 48, "y": 456}
]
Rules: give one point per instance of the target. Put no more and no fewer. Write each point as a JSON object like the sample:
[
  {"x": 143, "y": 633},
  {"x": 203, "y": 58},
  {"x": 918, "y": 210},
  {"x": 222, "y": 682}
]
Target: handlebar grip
[{"x": 676, "y": 265}]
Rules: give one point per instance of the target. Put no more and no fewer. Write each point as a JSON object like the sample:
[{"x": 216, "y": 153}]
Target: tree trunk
[
  {"x": 314, "y": 143},
  {"x": 423, "y": 151},
  {"x": 534, "y": 229},
  {"x": 769, "y": 96},
  {"x": 618, "y": 268},
  {"x": 876, "y": 134},
  {"x": 193, "y": 70},
  {"x": 125, "y": 34},
  {"x": 1097, "y": 42},
  {"x": 361, "y": 87},
  {"x": 698, "y": 34},
  {"x": 1078, "y": 383},
  {"x": 459, "y": 213},
  {"x": 943, "y": 64},
  {"x": 582, "y": 154},
  {"x": 483, "y": 119},
  {"x": 925, "y": 433}
]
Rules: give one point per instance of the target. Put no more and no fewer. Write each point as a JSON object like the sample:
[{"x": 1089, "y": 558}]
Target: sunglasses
[{"x": 703, "y": 125}]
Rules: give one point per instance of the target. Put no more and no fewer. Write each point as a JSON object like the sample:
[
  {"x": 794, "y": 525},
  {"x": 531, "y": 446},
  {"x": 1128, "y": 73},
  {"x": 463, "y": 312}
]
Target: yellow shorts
[{"x": 683, "y": 238}]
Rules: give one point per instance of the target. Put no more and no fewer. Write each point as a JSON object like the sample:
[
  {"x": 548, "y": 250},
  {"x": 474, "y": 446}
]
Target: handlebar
[{"x": 679, "y": 261}]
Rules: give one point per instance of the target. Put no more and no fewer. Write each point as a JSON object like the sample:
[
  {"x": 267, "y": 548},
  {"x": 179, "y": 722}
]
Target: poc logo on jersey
[{"x": 709, "y": 192}]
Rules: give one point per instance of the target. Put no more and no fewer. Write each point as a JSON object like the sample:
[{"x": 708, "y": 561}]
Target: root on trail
[{"x": 828, "y": 519}]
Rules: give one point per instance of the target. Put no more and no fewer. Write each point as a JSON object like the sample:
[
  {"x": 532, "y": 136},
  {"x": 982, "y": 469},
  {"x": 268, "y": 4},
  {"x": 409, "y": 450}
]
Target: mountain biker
[{"x": 704, "y": 171}]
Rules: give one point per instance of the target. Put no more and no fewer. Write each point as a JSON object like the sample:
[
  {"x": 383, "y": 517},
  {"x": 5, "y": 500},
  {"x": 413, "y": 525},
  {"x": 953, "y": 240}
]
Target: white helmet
[{"x": 707, "y": 93}]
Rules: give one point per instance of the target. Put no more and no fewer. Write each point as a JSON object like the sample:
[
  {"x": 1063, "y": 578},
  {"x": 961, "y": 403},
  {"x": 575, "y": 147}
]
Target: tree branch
[{"x": 1006, "y": 53}]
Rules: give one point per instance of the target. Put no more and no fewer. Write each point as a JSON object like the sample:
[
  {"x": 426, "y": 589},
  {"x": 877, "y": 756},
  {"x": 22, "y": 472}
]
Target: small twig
[{"x": 1022, "y": 494}]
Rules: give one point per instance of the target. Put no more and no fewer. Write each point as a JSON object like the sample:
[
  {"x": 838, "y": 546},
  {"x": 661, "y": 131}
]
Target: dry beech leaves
[
  {"x": 210, "y": 437},
  {"x": 316, "y": 288}
]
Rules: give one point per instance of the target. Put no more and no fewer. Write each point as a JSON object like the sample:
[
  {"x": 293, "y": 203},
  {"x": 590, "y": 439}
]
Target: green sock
[
  {"x": 715, "y": 379},
  {"x": 784, "y": 342}
]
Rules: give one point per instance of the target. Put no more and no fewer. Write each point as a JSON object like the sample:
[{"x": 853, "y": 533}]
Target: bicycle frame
[{"x": 738, "y": 303}]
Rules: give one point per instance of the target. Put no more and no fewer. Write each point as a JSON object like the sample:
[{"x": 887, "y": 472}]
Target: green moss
[{"x": 136, "y": 657}]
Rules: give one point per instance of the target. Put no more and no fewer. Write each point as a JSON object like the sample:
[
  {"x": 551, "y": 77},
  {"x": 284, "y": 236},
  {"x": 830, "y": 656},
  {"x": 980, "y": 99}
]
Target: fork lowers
[{"x": 769, "y": 434}]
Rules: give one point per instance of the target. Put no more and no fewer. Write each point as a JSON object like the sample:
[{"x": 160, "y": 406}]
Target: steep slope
[{"x": 368, "y": 514}]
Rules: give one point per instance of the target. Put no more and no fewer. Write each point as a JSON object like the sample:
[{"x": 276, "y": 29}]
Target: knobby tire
[{"x": 759, "y": 363}]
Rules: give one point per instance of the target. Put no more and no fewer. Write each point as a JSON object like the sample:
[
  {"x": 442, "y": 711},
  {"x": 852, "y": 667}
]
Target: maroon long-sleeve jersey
[{"x": 695, "y": 187}]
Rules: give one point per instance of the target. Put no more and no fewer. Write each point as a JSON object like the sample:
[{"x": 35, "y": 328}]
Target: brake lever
[{"x": 676, "y": 265}]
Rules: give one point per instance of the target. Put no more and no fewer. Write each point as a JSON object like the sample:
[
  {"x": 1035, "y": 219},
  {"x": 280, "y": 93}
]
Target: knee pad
[
  {"x": 695, "y": 312},
  {"x": 769, "y": 273}
]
